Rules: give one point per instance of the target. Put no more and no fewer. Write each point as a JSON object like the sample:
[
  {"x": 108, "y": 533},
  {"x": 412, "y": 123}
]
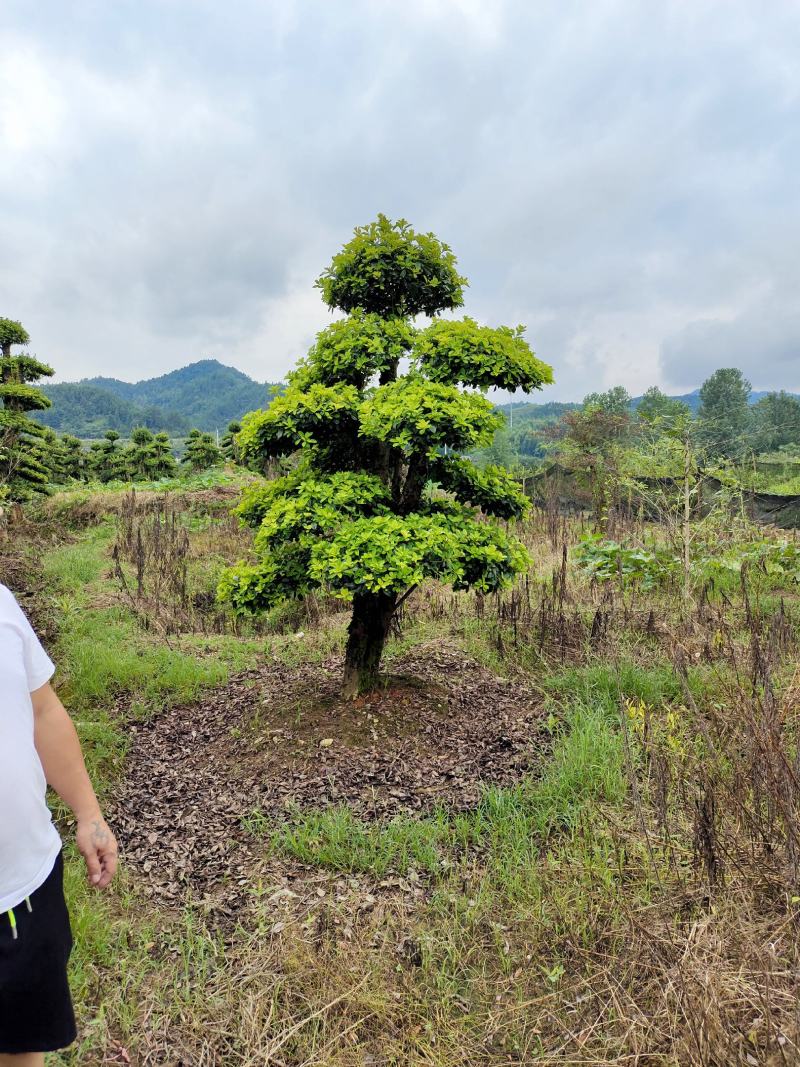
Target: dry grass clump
[
  {"x": 677, "y": 979},
  {"x": 166, "y": 559},
  {"x": 82, "y": 508}
]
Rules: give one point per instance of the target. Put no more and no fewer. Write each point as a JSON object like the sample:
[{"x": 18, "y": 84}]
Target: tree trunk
[{"x": 366, "y": 636}]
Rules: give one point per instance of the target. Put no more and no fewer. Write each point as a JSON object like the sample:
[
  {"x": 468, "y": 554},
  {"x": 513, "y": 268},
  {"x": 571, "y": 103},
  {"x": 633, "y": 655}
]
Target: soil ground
[{"x": 278, "y": 739}]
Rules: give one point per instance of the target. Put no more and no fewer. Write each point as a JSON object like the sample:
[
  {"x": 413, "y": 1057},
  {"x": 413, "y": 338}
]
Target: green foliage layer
[{"x": 394, "y": 272}]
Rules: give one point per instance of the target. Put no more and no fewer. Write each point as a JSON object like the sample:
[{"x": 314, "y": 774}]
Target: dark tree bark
[
  {"x": 366, "y": 636},
  {"x": 414, "y": 485}
]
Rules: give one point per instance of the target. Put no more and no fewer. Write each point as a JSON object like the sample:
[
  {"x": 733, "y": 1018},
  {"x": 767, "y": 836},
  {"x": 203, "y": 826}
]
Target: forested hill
[{"x": 205, "y": 394}]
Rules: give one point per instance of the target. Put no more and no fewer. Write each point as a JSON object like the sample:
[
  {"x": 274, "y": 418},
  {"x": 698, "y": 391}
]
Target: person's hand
[{"x": 98, "y": 846}]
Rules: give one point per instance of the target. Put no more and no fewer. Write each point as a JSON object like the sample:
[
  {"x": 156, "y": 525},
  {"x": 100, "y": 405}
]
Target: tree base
[
  {"x": 366, "y": 637},
  {"x": 356, "y": 683}
]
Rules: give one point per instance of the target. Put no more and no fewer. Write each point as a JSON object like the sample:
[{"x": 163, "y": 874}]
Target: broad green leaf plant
[{"x": 379, "y": 414}]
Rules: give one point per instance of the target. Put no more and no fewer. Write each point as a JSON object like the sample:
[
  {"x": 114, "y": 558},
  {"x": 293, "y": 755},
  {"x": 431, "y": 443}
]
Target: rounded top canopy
[
  {"x": 12, "y": 333},
  {"x": 389, "y": 270}
]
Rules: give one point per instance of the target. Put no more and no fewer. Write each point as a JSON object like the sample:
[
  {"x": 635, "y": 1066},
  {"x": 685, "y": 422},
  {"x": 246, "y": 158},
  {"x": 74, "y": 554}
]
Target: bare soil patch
[{"x": 277, "y": 738}]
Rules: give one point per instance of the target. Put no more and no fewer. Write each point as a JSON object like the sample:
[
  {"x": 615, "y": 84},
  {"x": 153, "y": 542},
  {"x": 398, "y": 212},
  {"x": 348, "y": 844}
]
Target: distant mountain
[
  {"x": 535, "y": 415},
  {"x": 205, "y": 394},
  {"x": 89, "y": 410}
]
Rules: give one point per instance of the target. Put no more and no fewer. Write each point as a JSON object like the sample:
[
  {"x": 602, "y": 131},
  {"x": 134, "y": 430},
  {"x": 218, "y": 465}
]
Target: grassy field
[{"x": 607, "y": 873}]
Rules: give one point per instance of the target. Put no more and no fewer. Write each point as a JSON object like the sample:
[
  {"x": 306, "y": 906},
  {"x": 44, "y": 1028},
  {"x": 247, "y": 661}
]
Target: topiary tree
[
  {"x": 201, "y": 452},
  {"x": 107, "y": 461},
  {"x": 140, "y": 454},
  {"x": 96, "y": 460},
  {"x": 229, "y": 445},
  {"x": 149, "y": 455},
  {"x": 24, "y": 452},
  {"x": 164, "y": 464},
  {"x": 374, "y": 506},
  {"x": 44, "y": 448},
  {"x": 74, "y": 460}
]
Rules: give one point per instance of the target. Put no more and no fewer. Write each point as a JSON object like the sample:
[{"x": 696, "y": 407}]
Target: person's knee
[{"x": 27, "y": 1059}]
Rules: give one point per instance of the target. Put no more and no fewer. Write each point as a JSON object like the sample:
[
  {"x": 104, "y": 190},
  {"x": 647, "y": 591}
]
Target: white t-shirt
[{"x": 29, "y": 843}]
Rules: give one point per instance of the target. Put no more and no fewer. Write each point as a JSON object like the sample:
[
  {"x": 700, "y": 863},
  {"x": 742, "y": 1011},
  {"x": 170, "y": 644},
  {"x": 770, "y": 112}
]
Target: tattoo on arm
[{"x": 100, "y": 835}]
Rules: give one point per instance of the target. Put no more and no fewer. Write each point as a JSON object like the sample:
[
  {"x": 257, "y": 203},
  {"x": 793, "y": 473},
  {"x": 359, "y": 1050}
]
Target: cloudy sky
[{"x": 620, "y": 175}]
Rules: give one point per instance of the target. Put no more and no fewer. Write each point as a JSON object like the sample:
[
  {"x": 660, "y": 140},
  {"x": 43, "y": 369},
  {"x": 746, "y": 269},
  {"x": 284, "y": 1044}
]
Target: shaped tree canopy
[
  {"x": 378, "y": 413},
  {"x": 25, "y": 452}
]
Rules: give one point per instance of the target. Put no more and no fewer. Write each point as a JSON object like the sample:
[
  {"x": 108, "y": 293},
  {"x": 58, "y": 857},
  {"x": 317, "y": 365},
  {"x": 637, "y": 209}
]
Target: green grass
[
  {"x": 169, "y": 959},
  {"x": 603, "y": 684},
  {"x": 105, "y": 940},
  {"x": 108, "y": 656},
  {"x": 72, "y": 567},
  {"x": 185, "y": 481},
  {"x": 102, "y": 651},
  {"x": 511, "y": 824},
  {"x": 339, "y": 840},
  {"x": 784, "y": 480},
  {"x": 106, "y": 660}
]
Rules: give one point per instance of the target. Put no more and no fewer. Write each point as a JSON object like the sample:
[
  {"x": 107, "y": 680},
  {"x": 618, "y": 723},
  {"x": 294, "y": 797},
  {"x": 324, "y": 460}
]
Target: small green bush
[{"x": 606, "y": 560}]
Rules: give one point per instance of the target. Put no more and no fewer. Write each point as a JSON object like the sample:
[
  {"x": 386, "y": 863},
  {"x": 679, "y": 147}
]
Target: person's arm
[{"x": 60, "y": 753}]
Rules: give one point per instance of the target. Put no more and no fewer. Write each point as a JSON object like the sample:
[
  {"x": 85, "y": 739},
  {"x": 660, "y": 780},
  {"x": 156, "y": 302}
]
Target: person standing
[{"x": 38, "y": 747}]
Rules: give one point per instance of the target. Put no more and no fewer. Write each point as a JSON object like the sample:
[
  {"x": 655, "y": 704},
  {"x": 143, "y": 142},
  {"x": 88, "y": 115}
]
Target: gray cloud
[
  {"x": 621, "y": 177},
  {"x": 763, "y": 341}
]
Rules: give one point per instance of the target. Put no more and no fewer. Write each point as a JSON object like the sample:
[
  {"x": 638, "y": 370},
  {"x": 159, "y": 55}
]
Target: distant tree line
[
  {"x": 726, "y": 426},
  {"x": 724, "y": 422},
  {"x": 611, "y": 448},
  {"x": 84, "y": 410},
  {"x": 33, "y": 457},
  {"x": 146, "y": 456}
]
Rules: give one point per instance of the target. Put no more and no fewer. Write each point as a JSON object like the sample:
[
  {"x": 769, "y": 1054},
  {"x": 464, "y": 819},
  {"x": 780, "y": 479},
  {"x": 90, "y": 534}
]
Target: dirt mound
[{"x": 278, "y": 738}]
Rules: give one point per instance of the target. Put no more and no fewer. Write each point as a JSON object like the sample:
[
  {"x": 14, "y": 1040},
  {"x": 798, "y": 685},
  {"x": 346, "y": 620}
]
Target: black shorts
[{"x": 35, "y": 1007}]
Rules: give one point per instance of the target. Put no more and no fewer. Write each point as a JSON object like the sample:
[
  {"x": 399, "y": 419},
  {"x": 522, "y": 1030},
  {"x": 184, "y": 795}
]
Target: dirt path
[{"x": 280, "y": 738}]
